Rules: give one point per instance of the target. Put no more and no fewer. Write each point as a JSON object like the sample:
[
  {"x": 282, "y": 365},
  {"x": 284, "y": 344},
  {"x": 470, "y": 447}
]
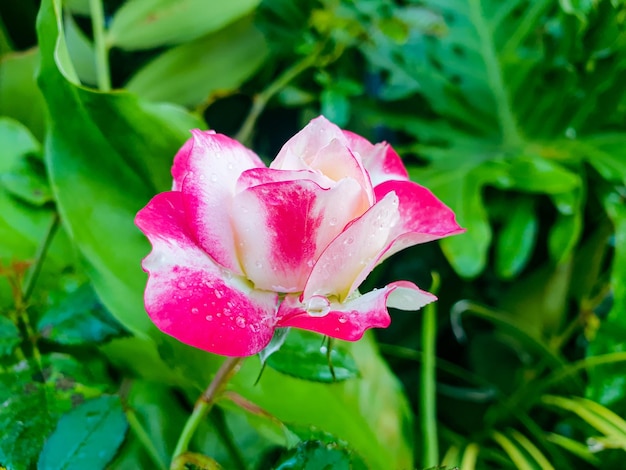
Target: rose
[{"x": 240, "y": 249}]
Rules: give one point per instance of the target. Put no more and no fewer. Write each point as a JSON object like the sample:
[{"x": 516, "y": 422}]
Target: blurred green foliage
[{"x": 511, "y": 112}]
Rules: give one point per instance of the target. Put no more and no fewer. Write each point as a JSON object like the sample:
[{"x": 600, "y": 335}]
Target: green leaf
[
  {"x": 517, "y": 238},
  {"x": 597, "y": 416},
  {"x": 9, "y": 336},
  {"x": 18, "y": 87},
  {"x": 81, "y": 51},
  {"x": 27, "y": 181},
  {"x": 105, "y": 162},
  {"x": 17, "y": 141},
  {"x": 303, "y": 355},
  {"x": 145, "y": 24},
  {"x": 27, "y": 416},
  {"x": 538, "y": 175},
  {"x": 461, "y": 189},
  {"x": 315, "y": 455},
  {"x": 335, "y": 106},
  {"x": 79, "y": 319},
  {"x": 34, "y": 398},
  {"x": 607, "y": 154},
  {"x": 194, "y": 72},
  {"x": 86, "y": 437},
  {"x": 351, "y": 410},
  {"x": 607, "y": 385}
]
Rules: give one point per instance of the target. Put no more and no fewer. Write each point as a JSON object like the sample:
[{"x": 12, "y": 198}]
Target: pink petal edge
[
  {"x": 188, "y": 296},
  {"x": 349, "y": 320},
  {"x": 213, "y": 168}
]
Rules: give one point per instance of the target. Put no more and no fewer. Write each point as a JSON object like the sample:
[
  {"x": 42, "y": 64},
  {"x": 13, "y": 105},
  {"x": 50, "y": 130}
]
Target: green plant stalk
[
  {"x": 261, "y": 100},
  {"x": 28, "y": 286},
  {"x": 219, "y": 423},
  {"x": 145, "y": 439},
  {"x": 428, "y": 399},
  {"x": 103, "y": 74},
  {"x": 204, "y": 404}
]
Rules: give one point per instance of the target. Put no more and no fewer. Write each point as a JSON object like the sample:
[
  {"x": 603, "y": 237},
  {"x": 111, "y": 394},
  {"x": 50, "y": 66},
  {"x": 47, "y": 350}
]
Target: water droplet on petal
[
  {"x": 213, "y": 177},
  {"x": 258, "y": 264},
  {"x": 218, "y": 294},
  {"x": 194, "y": 310},
  {"x": 318, "y": 306},
  {"x": 343, "y": 319},
  {"x": 230, "y": 166},
  {"x": 209, "y": 317},
  {"x": 333, "y": 221},
  {"x": 348, "y": 241},
  {"x": 182, "y": 285},
  {"x": 240, "y": 322}
]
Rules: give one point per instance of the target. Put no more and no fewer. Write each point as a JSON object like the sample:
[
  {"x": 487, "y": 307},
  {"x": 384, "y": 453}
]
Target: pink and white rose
[{"x": 239, "y": 249}]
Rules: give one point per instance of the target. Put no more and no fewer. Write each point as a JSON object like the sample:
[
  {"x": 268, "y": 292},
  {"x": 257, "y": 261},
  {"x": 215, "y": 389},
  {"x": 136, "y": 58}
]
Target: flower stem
[
  {"x": 261, "y": 100},
  {"x": 206, "y": 401},
  {"x": 103, "y": 75},
  {"x": 428, "y": 400},
  {"x": 33, "y": 273}
]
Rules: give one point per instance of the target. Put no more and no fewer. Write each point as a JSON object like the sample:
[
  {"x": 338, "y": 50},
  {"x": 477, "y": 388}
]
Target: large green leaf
[
  {"x": 144, "y": 24},
  {"x": 18, "y": 87},
  {"x": 107, "y": 154},
  {"x": 191, "y": 73}
]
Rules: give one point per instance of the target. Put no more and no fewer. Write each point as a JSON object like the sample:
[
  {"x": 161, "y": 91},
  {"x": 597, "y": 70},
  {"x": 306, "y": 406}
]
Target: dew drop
[
  {"x": 343, "y": 319},
  {"x": 318, "y": 306},
  {"x": 218, "y": 294},
  {"x": 194, "y": 310},
  {"x": 213, "y": 177},
  {"x": 230, "y": 166},
  {"x": 258, "y": 264},
  {"x": 228, "y": 312},
  {"x": 182, "y": 285},
  {"x": 310, "y": 263},
  {"x": 253, "y": 328},
  {"x": 333, "y": 221},
  {"x": 348, "y": 241},
  {"x": 240, "y": 322},
  {"x": 209, "y": 317}
]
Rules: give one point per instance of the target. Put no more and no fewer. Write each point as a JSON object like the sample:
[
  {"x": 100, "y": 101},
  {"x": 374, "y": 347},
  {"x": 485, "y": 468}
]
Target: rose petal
[
  {"x": 349, "y": 320},
  {"x": 380, "y": 160},
  {"x": 353, "y": 250},
  {"x": 336, "y": 161},
  {"x": 302, "y": 148},
  {"x": 189, "y": 297},
  {"x": 283, "y": 227},
  {"x": 423, "y": 217},
  {"x": 180, "y": 168},
  {"x": 213, "y": 167}
]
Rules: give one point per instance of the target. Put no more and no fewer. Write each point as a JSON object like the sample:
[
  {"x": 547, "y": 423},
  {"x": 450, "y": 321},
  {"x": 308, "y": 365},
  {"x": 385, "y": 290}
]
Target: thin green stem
[
  {"x": 219, "y": 422},
  {"x": 22, "y": 298},
  {"x": 40, "y": 256},
  {"x": 260, "y": 101},
  {"x": 204, "y": 404},
  {"x": 145, "y": 439},
  {"x": 428, "y": 399},
  {"x": 103, "y": 75}
]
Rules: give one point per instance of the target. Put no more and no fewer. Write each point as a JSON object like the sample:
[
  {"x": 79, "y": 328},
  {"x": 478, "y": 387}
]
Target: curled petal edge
[{"x": 349, "y": 320}]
